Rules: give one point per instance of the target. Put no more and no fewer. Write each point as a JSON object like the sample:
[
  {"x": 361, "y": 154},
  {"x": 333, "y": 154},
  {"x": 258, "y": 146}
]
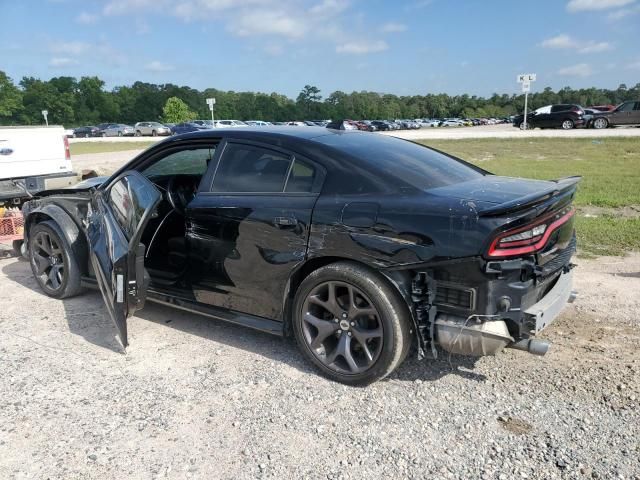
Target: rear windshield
[{"x": 409, "y": 162}]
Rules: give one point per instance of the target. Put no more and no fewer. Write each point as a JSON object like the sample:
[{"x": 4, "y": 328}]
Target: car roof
[{"x": 271, "y": 131}]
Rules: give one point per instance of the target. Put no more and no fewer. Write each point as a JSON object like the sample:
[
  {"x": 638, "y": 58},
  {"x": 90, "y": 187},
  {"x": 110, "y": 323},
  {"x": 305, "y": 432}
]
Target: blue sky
[{"x": 402, "y": 47}]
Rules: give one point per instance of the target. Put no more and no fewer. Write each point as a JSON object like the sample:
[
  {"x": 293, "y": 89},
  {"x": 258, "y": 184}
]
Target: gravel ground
[{"x": 197, "y": 398}]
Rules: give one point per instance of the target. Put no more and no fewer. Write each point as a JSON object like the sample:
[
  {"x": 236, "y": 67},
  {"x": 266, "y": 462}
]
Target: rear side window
[
  {"x": 559, "y": 108},
  {"x": 245, "y": 168},
  {"x": 409, "y": 162},
  {"x": 626, "y": 107},
  {"x": 302, "y": 177}
]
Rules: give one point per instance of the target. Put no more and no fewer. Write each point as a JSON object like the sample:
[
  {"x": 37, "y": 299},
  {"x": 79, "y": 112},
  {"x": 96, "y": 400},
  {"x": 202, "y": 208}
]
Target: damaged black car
[{"x": 359, "y": 245}]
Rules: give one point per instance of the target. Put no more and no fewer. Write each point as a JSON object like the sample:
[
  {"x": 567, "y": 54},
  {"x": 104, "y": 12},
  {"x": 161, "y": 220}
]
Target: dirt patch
[
  {"x": 630, "y": 211},
  {"x": 515, "y": 425}
]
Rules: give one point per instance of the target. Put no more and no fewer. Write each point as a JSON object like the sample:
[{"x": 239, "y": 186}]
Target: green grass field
[
  {"x": 610, "y": 170},
  {"x": 81, "y": 148}
]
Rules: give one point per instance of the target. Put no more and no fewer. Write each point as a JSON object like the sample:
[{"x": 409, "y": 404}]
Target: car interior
[{"x": 177, "y": 176}]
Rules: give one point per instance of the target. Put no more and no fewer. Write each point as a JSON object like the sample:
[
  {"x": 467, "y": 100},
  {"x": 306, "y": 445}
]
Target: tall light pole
[
  {"x": 211, "y": 102},
  {"x": 45, "y": 113}
]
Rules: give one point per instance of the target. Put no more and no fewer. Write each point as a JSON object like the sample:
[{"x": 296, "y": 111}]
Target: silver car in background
[
  {"x": 151, "y": 128},
  {"x": 117, "y": 130}
]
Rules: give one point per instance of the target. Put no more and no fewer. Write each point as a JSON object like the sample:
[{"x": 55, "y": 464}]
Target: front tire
[
  {"x": 52, "y": 261},
  {"x": 600, "y": 123},
  {"x": 351, "y": 324}
]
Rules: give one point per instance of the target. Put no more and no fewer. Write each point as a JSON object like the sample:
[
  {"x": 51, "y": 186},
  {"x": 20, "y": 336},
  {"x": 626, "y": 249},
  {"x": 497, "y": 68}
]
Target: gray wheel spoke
[
  {"x": 325, "y": 328},
  {"x": 356, "y": 311},
  {"x": 41, "y": 263},
  {"x": 343, "y": 350},
  {"x": 42, "y": 243},
  {"x": 53, "y": 278}
]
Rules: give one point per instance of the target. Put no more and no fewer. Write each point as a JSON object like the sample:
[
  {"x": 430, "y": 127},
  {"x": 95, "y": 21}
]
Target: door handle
[{"x": 285, "y": 221}]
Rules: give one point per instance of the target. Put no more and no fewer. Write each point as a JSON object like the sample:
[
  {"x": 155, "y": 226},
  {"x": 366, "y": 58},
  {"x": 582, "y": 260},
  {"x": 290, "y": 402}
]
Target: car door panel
[
  {"x": 117, "y": 217},
  {"x": 244, "y": 248}
]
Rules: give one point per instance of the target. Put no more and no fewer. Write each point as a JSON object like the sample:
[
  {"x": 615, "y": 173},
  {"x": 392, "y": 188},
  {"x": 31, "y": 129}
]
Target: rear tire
[
  {"x": 364, "y": 318},
  {"x": 154, "y": 133},
  {"x": 138, "y": 133},
  {"x": 119, "y": 134},
  {"x": 53, "y": 262}
]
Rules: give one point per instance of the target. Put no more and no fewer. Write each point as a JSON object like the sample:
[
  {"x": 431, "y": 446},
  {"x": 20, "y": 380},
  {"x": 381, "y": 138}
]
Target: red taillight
[
  {"x": 530, "y": 238},
  {"x": 67, "y": 152}
]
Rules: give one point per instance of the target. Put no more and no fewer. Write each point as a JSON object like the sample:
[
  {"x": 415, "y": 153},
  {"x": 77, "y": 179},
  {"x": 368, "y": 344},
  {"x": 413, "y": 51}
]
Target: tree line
[{"x": 85, "y": 101}]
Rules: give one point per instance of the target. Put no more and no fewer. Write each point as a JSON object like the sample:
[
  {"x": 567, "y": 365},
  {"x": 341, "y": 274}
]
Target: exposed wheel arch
[
  {"x": 68, "y": 228},
  {"x": 400, "y": 281}
]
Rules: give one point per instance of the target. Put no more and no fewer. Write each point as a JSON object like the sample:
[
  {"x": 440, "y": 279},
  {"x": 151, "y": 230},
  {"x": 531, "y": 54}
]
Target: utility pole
[{"x": 45, "y": 113}]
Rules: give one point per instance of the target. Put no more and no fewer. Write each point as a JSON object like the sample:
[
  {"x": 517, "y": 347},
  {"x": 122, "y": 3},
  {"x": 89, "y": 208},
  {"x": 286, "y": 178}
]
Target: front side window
[
  {"x": 626, "y": 107},
  {"x": 128, "y": 198},
  {"x": 245, "y": 168},
  {"x": 192, "y": 161}
]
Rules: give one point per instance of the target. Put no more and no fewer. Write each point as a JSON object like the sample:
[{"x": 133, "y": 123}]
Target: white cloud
[
  {"x": 157, "y": 66},
  {"x": 585, "y": 5},
  {"x": 361, "y": 47},
  {"x": 560, "y": 41},
  {"x": 329, "y": 7},
  {"x": 595, "y": 47},
  {"x": 70, "y": 48},
  {"x": 566, "y": 42},
  {"x": 62, "y": 62},
  {"x": 579, "y": 70},
  {"x": 393, "y": 27},
  {"x": 623, "y": 13},
  {"x": 265, "y": 22},
  {"x": 85, "y": 18}
]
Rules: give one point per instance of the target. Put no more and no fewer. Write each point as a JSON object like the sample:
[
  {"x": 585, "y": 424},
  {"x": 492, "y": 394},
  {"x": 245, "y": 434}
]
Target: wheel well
[{"x": 315, "y": 263}]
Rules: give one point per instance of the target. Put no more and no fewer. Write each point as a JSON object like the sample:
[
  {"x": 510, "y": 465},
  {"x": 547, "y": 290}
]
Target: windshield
[{"x": 414, "y": 164}]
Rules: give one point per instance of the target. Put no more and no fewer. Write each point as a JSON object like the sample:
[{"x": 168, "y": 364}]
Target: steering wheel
[{"x": 180, "y": 191}]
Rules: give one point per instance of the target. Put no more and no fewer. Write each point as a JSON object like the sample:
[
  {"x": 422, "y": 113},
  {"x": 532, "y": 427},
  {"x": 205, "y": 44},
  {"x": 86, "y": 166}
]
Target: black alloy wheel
[
  {"x": 351, "y": 323},
  {"x": 48, "y": 261},
  {"x": 52, "y": 261},
  {"x": 342, "y": 327}
]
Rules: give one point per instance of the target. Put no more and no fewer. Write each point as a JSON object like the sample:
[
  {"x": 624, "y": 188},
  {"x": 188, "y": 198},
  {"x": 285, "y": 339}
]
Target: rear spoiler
[{"x": 562, "y": 185}]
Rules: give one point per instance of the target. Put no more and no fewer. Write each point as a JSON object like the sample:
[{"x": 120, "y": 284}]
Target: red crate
[{"x": 11, "y": 227}]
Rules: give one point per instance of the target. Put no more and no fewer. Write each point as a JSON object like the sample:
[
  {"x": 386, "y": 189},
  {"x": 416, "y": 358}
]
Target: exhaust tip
[{"x": 532, "y": 345}]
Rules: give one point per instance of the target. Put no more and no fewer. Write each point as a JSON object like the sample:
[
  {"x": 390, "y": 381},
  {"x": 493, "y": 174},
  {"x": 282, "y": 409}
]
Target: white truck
[{"x": 33, "y": 159}]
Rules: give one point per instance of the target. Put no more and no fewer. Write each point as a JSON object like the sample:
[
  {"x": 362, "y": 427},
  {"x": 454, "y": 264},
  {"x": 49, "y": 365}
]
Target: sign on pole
[
  {"x": 211, "y": 102},
  {"x": 525, "y": 79},
  {"x": 45, "y": 113}
]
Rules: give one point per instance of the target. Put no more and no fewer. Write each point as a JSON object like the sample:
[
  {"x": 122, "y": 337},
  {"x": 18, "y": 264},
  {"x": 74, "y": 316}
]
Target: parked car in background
[
  {"x": 204, "y": 123},
  {"x": 86, "y": 132},
  {"x": 625, "y": 114},
  {"x": 117, "y": 130},
  {"x": 361, "y": 249},
  {"x": 603, "y": 108},
  {"x": 451, "y": 123},
  {"x": 151, "y": 128},
  {"x": 230, "y": 123},
  {"x": 381, "y": 125},
  {"x": 187, "y": 127},
  {"x": 257, "y": 123},
  {"x": 565, "y": 116}
]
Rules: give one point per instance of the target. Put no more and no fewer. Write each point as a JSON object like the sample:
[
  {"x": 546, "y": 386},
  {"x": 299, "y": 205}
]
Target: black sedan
[
  {"x": 357, "y": 244},
  {"x": 86, "y": 132}
]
